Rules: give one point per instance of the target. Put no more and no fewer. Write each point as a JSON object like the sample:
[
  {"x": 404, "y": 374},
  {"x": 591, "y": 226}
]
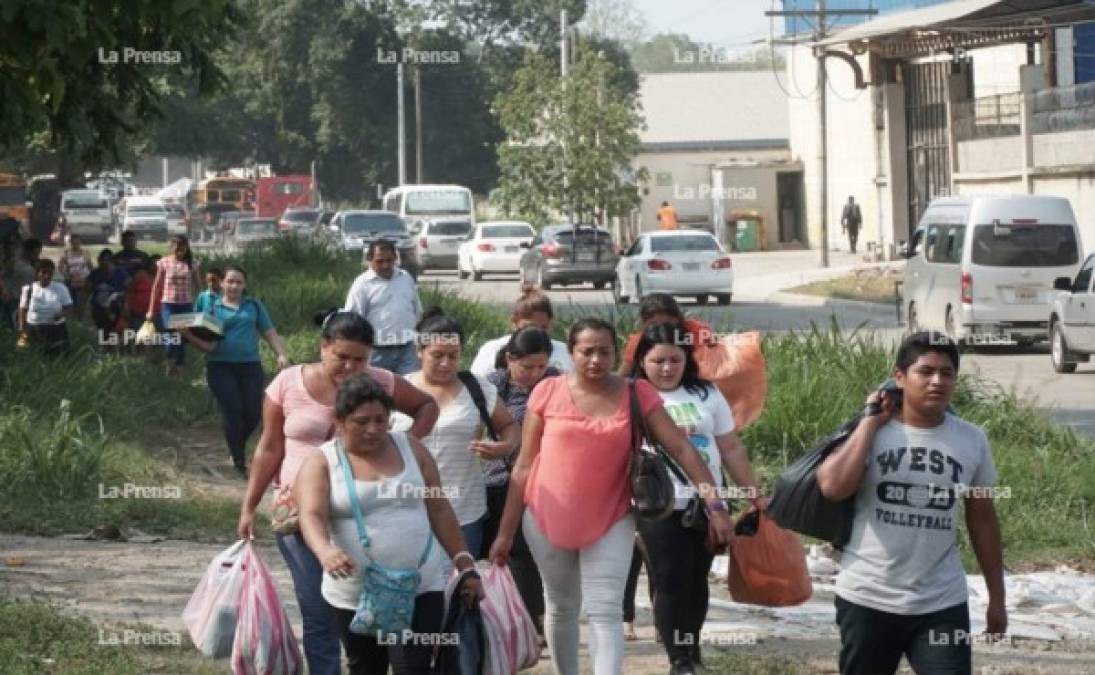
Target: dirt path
[{"x": 150, "y": 583}]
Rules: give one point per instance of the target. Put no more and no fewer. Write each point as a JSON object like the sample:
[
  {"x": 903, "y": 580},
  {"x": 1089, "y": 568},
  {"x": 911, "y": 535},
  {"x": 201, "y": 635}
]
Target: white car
[
  {"x": 146, "y": 217},
  {"x": 87, "y": 213},
  {"x": 494, "y": 246},
  {"x": 677, "y": 262},
  {"x": 1072, "y": 320}
]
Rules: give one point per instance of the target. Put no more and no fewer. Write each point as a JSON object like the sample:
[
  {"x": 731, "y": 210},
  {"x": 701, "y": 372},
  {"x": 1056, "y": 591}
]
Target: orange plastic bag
[
  {"x": 736, "y": 365},
  {"x": 769, "y": 567}
]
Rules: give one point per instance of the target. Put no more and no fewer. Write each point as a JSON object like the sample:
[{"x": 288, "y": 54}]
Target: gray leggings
[{"x": 596, "y": 574}]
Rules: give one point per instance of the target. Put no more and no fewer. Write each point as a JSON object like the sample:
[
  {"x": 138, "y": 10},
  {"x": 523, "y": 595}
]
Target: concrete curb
[{"x": 783, "y": 297}]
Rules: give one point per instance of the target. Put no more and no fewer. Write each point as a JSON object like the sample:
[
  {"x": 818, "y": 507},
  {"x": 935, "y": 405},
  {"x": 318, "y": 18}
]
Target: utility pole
[
  {"x": 563, "y": 66},
  {"x": 402, "y": 141},
  {"x": 820, "y": 16},
  {"x": 418, "y": 125}
]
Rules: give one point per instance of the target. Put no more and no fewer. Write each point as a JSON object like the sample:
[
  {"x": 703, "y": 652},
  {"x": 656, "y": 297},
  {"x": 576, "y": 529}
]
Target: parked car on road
[
  {"x": 146, "y": 217},
  {"x": 87, "y": 213},
  {"x": 677, "y": 262},
  {"x": 352, "y": 231},
  {"x": 982, "y": 268},
  {"x": 437, "y": 242},
  {"x": 299, "y": 221},
  {"x": 495, "y": 246},
  {"x": 251, "y": 232},
  {"x": 1072, "y": 319},
  {"x": 570, "y": 254},
  {"x": 439, "y": 217}
]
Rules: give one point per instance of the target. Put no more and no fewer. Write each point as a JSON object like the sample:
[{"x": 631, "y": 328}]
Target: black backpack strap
[
  {"x": 471, "y": 383},
  {"x": 639, "y": 433}
]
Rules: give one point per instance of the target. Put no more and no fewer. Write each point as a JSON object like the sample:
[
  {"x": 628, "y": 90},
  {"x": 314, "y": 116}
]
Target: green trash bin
[{"x": 745, "y": 236}]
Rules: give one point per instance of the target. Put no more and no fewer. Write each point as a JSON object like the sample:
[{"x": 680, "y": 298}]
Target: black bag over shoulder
[
  {"x": 798, "y": 504},
  {"x": 471, "y": 383},
  {"x": 652, "y": 490}
]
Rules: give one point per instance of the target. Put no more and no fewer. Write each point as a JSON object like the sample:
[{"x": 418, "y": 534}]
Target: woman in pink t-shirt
[
  {"x": 572, "y": 474},
  {"x": 298, "y": 417}
]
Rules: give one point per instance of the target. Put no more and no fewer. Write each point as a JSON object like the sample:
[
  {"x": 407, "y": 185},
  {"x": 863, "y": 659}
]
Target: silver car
[
  {"x": 251, "y": 233},
  {"x": 87, "y": 213},
  {"x": 352, "y": 231},
  {"x": 437, "y": 242}
]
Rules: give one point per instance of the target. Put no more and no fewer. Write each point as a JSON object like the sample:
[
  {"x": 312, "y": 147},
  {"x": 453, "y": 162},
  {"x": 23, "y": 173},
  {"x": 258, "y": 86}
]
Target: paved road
[{"x": 760, "y": 303}]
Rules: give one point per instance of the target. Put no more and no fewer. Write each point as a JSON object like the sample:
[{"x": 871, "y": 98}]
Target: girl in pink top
[
  {"x": 572, "y": 474},
  {"x": 297, "y": 418},
  {"x": 172, "y": 286}
]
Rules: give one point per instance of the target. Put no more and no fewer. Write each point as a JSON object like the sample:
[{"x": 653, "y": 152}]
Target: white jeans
[{"x": 597, "y": 573}]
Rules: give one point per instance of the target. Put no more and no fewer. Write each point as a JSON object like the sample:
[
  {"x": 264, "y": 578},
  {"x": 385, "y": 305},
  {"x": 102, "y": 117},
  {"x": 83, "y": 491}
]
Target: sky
[{"x": 727, "y": 23}]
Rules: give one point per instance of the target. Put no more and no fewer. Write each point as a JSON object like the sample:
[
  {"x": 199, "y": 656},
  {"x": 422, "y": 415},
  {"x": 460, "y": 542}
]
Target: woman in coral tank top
[{"x": 572, "y": 474}]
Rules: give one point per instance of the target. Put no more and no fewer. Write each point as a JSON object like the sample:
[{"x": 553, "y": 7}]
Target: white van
[
  {"x": 146, "y": 217},
  {"x": 88, "y": 214},
  {"x": 438, "y": 217},
  {"x": 982, "y": 267}
]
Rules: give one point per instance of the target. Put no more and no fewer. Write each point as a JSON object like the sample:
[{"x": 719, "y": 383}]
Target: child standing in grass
[
  {"x": 213, "y": 290},
  {"x": 177, "y": 278}
]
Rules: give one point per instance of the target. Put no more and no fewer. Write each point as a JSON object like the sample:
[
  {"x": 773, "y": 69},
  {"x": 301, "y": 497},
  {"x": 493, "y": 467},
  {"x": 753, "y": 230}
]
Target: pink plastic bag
[
  {"x": 512, "y": 643},
  {"x": 212, "y": 612},
  {"x": 265, "y": 644}
]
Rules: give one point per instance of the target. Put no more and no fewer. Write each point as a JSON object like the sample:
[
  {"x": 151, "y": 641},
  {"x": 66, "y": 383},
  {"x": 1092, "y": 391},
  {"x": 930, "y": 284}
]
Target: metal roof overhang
[{"x": 963, "y": 24}]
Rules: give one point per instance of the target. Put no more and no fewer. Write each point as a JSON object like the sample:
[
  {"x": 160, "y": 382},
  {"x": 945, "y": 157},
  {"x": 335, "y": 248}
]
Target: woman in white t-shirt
[
  {"x": 679, "y": 557},
  {"x": 43, "y": 306},
  {"x": 454, "y": 441}
]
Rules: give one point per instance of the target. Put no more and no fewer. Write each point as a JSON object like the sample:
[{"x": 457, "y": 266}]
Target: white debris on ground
[{"x": 1053, "y": 606}]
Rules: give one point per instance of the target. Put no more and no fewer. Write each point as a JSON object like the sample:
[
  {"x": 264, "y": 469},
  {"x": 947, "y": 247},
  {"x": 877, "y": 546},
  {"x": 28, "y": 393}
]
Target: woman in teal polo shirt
[{"x": 232, "y": 366}]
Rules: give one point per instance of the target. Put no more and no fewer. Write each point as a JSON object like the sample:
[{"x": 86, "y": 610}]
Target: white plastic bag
[
  {"x": 512, "y": 643},
  {"x": 212, "y": 611},
  {"x": 264, "y": 644}
]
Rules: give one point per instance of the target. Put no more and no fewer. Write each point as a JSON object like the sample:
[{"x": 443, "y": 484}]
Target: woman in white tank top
[{"x": 403, "y": 505}]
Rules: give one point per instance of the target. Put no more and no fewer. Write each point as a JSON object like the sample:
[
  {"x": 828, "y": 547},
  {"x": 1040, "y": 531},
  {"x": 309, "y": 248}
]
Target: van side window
[
  {"x": 932, "y": 243},
  {"x": 1082, "y": 283},
  {"x": 948, "y": 246}
]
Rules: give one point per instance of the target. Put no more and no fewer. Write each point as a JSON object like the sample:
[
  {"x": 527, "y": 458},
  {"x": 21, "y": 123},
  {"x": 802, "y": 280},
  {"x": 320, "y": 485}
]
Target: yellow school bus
[
  {"x": 13, "y": 201},
  {"x": 210, "y": 198}
]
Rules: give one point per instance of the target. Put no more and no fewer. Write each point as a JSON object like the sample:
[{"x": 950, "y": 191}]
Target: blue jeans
[
  {"x": 400, "y": 359},
  {"x": 176, "y": 353},
  {"x": 321, "y": 636},
  {"x": 238, "y": 390}
]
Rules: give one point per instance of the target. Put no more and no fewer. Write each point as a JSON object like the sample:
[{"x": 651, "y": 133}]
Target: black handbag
[
  {"x": 653, "y": 492},
  {"x": 798, "y": 504}
]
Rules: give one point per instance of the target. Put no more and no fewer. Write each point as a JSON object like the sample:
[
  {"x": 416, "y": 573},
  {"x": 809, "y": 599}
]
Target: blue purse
[{"x": 386, "y": 605}]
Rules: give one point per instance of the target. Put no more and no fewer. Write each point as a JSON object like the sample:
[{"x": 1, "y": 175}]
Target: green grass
[
  {"x": 866, "y": 287},
  {"x": 37, "y": 638}
]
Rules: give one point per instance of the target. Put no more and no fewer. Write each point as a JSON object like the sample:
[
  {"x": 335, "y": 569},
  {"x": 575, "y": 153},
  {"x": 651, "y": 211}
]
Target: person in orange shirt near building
[{"x": 667, "y": 217}]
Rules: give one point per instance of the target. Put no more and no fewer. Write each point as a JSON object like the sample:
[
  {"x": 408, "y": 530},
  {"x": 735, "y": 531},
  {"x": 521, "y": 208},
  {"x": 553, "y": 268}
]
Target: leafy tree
[
  {"x": 617, "y": 20},
  {"x": 58, "y": 73},
  {"x": 586, "y": 132}
]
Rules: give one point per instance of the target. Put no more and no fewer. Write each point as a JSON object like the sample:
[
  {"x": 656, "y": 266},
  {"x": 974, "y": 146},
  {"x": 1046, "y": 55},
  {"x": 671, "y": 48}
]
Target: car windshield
[
  {"x": 697, "y": 243},
  {"x": 491, "y": 231},
  {"x": 438, "y": 201},
  {"x": 450, "y": 229},
  {"x": 1025, "y": 246},
  {"x": 361, "y": 223},
  {"x": 252, "y": 227},
  {"x": 149, "y": 210},
  {"x": 88, "y": 202},
  {"x": 301, "y": 216}
]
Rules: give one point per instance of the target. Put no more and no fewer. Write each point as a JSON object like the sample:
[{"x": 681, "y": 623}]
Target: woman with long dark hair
[
  {"x": 679, "y": 558},
  {"x": 521, "y": 364},
  {"x": 176, "y": 283},
  {"x": 298, "y": 416}
]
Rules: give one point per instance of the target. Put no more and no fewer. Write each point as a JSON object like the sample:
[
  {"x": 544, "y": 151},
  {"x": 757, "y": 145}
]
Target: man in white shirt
[
  {"x": 902, "y": 590},
  {"x": 387, "y": 297}
]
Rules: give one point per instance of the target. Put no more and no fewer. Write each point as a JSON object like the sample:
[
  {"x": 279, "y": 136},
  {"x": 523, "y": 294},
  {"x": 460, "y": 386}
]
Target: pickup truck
[{"x": 1072, "y": 319}]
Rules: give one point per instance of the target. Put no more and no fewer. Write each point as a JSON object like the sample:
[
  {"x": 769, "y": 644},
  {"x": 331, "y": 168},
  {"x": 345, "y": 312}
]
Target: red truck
[{"x": 278, "y": 193}]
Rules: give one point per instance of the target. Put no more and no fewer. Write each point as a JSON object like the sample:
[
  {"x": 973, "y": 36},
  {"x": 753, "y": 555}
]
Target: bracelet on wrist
[
  {"x": 464, "y": 554},
  {"x": 716, "y": 505}
]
